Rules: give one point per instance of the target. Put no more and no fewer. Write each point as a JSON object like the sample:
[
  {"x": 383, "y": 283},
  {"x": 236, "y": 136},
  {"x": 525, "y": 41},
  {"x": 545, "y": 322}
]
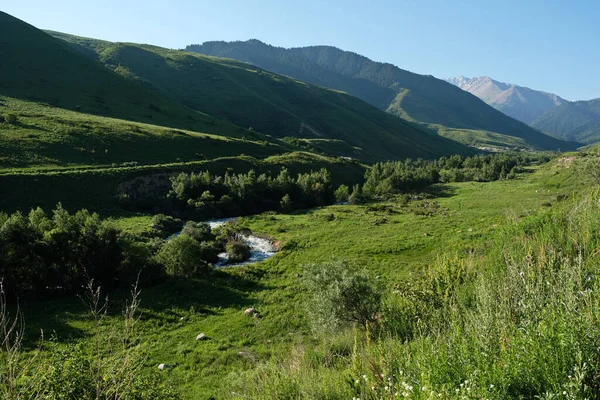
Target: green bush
[
  {"x": 237, "y": 251},
  {"x": 182, "y": 256},
  {"x": 342, "y": 194},
  {"x": 166, "y": 225},
  {"x": 338, "y": 296}
]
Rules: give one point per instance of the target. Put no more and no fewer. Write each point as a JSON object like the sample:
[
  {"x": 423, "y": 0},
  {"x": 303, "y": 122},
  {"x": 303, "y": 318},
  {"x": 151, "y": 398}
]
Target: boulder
[
  {"x": 202, "y": 336},
  {"x": 162, "y": 366},
  {"x": 250, "y": 311}
]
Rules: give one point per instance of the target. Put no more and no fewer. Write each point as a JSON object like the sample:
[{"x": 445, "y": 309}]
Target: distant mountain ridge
[
  {"x": 519, "y": 102},
  {"x": 578, "y": 120},
  {"x": 435, "y": 104}
]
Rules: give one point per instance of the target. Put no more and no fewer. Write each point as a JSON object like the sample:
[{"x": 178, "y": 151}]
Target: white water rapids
[{"x": 260, "y": 248}]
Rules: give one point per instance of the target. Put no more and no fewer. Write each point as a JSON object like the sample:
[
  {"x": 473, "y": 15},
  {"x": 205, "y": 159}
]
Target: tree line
[{"x": 51, "y": 255}]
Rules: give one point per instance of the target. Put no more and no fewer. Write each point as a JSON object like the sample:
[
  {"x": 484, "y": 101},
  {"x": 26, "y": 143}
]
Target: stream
[{"x": 260, "y": 248}]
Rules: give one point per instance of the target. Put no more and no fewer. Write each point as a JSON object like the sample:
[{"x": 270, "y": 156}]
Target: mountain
[
  {"x": 518, "y": 102},
  {"x": 578, "y": 120},
  {"x": 260, "y": 101},
  {"x": 434, "y": 104},
  {"x": 89, "y": 102}
]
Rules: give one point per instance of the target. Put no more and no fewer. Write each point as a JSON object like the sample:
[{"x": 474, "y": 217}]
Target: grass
[
  {"x": 388, "y": 237},
  {"x": 49, "y": 136}
]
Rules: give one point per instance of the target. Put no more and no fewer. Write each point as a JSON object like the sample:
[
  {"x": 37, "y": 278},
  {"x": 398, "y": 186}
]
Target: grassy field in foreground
[{"x": 393, "y": 241}]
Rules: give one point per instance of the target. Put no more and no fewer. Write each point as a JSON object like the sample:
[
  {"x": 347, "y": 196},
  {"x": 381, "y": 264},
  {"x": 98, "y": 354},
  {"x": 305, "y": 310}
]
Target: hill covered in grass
[
  {"x": 418, "y": 98},
  {"x": 265, "y": 102},
  {"x": 578, "y": 121}
]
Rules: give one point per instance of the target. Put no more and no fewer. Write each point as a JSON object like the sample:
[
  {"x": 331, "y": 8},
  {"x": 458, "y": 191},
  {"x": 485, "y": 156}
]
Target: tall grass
[{"x": 519, "y": 322}]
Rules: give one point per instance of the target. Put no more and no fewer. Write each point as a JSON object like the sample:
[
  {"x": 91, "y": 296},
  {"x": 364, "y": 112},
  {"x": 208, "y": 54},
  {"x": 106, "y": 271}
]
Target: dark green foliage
[
  {"x": 237, "y": 251},
  {"x": 420, "y": 98},
  {"x": 338, "y": 295},
  {"x": 47, "y": 256},
  {"x": 165, "y": 225},
  {"x": 412, "y": 175},
  {"x": 204, "y": 195},
  {"x": 286, "y": 203},
  {"x": 342, "y": 193},
  {"x": 198, "y": 230},
  {"x": 356, "y": 197},
  {"x": 182, "y": 256}
]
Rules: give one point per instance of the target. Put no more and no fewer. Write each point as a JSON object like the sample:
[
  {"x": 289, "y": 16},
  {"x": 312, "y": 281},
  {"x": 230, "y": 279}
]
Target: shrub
[
  {"x": 198, "y": 230},
  {"x": 182, "y": 256},
  {"x": 356, "y": 197},
  {"x": 166, "y": 224},
  {"x": 338, "y": 295},
  {"x": 237, "y": 251},
  {"x": 286, "y": 203},
  {"x": 342, "y": 193}
]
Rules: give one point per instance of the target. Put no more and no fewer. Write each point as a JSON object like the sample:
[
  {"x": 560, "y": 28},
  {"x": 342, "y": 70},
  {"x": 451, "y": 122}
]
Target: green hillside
[
  {"x": 37, "y": 67},
  {"x": 578, "y": 121},
  {"x": 418, "y": 98},
  {"x": 266, "y": 102}
]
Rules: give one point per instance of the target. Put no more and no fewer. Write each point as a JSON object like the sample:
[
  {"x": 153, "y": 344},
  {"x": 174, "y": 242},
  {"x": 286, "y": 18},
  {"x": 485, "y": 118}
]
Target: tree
[
  {"x": 339, "y": 295},
  {"x": 286, "y": 203},
  {"x": 181, "y": 256},
  {"x": 356, "y": 197},
  {"x": 342, "y": 194}
]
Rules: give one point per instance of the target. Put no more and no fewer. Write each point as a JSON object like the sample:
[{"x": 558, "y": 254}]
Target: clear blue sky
[{"x": 550, "y": 45}]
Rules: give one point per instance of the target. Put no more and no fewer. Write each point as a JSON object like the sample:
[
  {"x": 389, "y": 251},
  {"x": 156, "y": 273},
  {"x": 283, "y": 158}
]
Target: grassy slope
[
  {"x": 411, "y": 96},
  {"x": 385, "y": 237},
  {"x": 578, "y": 121},
  {"x": 269, "y": 103},
  {"x": 50, "y": 136},
  {"x": 38, "y": 67}
]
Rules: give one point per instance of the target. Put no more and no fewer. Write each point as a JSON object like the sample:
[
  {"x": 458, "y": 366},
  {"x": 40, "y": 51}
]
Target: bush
[
  {"x": 237, "y": 251},
  {"x": 342, "y": 194},
  {"x": 356, "y": 197},
  {"x": 338, "y": 295},
  {"x": 166, "y": 224},
  {"x": 182, "y": 256},
  {"x": 286, "y": 203},
  {"x": 198, "y": 230}
]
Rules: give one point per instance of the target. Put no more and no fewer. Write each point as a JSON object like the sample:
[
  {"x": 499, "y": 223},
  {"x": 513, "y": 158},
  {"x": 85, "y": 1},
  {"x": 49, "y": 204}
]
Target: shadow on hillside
[
  {"x": 440, "y": 190},
  {"x": 175, "y": 298},
  {"x": 67, "y": 320}
]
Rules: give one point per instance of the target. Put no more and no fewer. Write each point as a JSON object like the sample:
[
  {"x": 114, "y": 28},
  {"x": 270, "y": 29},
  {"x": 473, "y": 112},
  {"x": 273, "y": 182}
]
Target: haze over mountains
[
  {"x": 519, "y": 102},
  {"x": 434, "y": 104}
]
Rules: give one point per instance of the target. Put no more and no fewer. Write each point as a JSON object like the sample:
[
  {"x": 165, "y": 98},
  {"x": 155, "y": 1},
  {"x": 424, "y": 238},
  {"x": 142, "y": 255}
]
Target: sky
[{"x": 549, "y": 45}]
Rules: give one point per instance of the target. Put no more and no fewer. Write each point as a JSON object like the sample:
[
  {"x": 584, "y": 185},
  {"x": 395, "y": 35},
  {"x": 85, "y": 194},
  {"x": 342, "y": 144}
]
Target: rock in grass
[
  {"x": 250, "y": 311},
  {"x": 163, "y": 366},
  {"x": 201, "y": 336}
]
